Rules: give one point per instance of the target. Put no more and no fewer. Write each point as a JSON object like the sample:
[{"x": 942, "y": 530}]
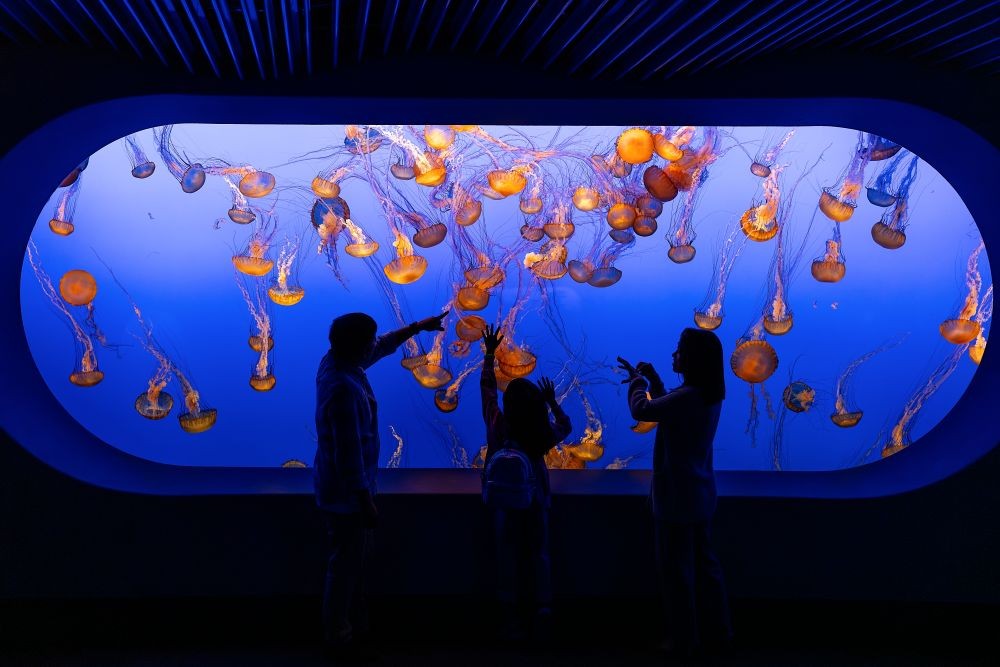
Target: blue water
[{"x": 165, "y": 247}]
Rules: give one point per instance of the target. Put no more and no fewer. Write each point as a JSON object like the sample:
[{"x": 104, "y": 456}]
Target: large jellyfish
[
  {"x": 845, "y": 415},
  {"x": 252, "y": 258},
  {"x": 407, "y": 267},
  {"x": 62, "y": 215},
  {"x": 963, "y": 328},
  {"x": 754, "y": 361},
  {"x": 710, "y": 313},
  {"x": 191, "y": 175},
  {"x": 840, "y": 207},
  {"x": 432, "y": 374},
  {"x": 77, "y": 288},
  {"x": 285, "y": 290},
  {"x": 879, "y": 189},
  {"x": 983, "y": 316},
  {"x": 142, "y": 166},
  {"x": 261, "y": 338},
  {"x": 890, "y": 231}
]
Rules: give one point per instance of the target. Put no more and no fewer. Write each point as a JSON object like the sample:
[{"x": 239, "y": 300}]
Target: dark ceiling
[{"x": 603, "y": 40}]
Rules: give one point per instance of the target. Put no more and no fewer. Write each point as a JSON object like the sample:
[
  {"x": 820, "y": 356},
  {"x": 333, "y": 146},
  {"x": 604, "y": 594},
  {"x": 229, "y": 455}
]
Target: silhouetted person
[
  {"x": 683, "y": 488},
  {"x": 524, "y": 577},
  {"x": 346, "y": 464}
]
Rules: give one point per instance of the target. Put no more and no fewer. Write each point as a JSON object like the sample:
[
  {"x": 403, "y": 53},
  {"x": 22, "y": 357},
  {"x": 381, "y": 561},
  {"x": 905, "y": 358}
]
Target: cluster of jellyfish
[{"x": 432, "y": 185}]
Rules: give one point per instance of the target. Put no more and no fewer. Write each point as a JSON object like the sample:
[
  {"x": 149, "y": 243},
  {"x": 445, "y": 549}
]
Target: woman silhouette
[{"x": 683, "y": 488}]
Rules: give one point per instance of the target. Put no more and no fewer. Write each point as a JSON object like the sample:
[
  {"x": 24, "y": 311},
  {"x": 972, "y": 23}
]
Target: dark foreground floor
[{"x": 456, "y": 632}]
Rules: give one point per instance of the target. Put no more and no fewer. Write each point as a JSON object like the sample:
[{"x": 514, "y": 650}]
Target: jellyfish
[
  {"x": 635, "y": 145},
  {"x": 754, "y": 361},
  {"x": 899, "y": 436},
  {"x": 251, "y": 259},
  {"x": 283, "y": 290},
  {"x": 407, "y": 267},
  {"x": 439, "y": 137},
  {"x": 591, "y": 445},
  {"x": 710, "y": 313},
  {"x": 466, "y": 209},
  {"x": 294, "y": 463},
  {"x": 759, "y": 222},
  {"x": 586, "y": 198},
  {"x": 964, "y": 328},
  {"x": 480, "y": 279},
  {"x": 983, "y": 315},
  {"x": 560, "y": 227},
  {"x": 154, "y": 403},
  {"x": 240, "y": 212},
  {"x": 446, "y": 400},
  {"x": 560, "y": 458},
  {"x": 190, "y": 175},
  {"x": 878, "y": 190},
  {"x": 73, "y": 175},
  {"x": 797, "y": 397},
  {"x": 549, "y": 263},
  {"x": 429, "y": 168},
  {"x": 396, "y": 458},
  {"x": 76, "y": 290},
  {"x": 432, "y": 374},
  {"x": 832, "y": 266},
  {"x": 605, "y": 273},
  {"x": 513, "y": 360},
  {"x": 362, "y": 139},
  {"x": 142, "y": 166},
  {"x": 763, "y": 163},
  {"x": 690, "y": 170},
  {"x": 844, "y": 415},
  {"x": 890, "y": 231},
  {"x": 65, "y": 209},
  {"x": 360, "y": 246},
  {"x": 681, "y": 234},
  {"x": 840, "y": 207},
  {"x": 261, "y": 338},
  {"x": 883, "y": 149},
  {"x": 326, "y": 183}
]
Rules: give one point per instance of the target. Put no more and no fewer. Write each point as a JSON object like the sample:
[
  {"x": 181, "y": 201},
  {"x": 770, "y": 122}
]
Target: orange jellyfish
[
  {"x": 362, "y": 139},
  {"x": 890, "y": 231},
  {"x": 605, "y": 273},
  {"x": 764, "y": 162},
  {"x": 621, "y": 215},
  {"x": 899, "y": 436},
  {"x": 710, "y": 313},
  {"x": 549, "y": 263},
  {"x": 983, "y": 315},
  {"x": 62, "y": 216},
  {"x": 658, "y": 184},
  {"x": 294, "y": 463},
  {"x": 262, "y": 336},
  {"x": 466, "y": 209},
  {"x": 446, "y": 400},
  {"x": 689, "y": 171},
  {"x": 760, "y": 221},
  {"x": 326, "y": 184},
  {"x": 560, "y": 458},
  {"x": 840, "y": 207},
  {"x": 154, "y": 403},
  {"x": 635, "y": 145},
  {"x": 513, "y": 360},
  {"x": 831, "y": 267},
  {"x": 754, "y": 361},
  {"x": 883, "y": 149},
  {"x": 586, "y": 198},
  {"x": 73, "y": 175},
  {"x": 252, "y": 259},
  {"x": 560, "y": 227},
  {"x": 428, "y": 233},
  {"x": 964, "y": 328},
  {"x": 439, "y": 137},
  {"x": 797, "y": 397},
  {"x": 80, "y": 290},
  {"x": 142, "y": 166},
  {"x": 281, "y": 291},
  {"x": 407, "y": 267},
  {"x": 360, "y": 246},
  {"x": 590, "y": 448},
  {"x": 190, "y": 175},
  {"x": 844, "y": 415},
  {"x": 470, "y": 328},
  {"x": 256, "y": 183},
  {"x": 432, "y": 374}
]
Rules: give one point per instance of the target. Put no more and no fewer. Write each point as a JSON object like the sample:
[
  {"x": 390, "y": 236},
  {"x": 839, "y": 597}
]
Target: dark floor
[{"x": 447, "y": 632}]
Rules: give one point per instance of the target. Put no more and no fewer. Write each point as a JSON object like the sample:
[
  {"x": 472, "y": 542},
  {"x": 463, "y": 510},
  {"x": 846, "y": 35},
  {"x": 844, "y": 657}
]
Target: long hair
[
  {"x": 701, "y": 352},
  {"x": 527, "y": 417}
]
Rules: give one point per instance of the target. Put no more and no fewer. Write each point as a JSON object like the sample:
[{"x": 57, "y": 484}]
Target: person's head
[
  {"x": 698, "y": 358},
  {"x": 524, "y": 411},
  {"x": 352, "y": 337}
]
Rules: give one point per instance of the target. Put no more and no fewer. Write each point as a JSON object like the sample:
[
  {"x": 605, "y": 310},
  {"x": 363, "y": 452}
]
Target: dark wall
[{"x": 62, "y": 538}]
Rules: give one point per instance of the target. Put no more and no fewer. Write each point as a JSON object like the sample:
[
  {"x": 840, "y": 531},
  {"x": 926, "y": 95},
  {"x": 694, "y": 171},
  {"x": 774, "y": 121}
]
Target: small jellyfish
[
  {"x": 831, "y": 267},
  {"x": 429, "y": 170},
  {"x": 710, "y": 313},
  {"x": 256, "y": 183},
  {"x": 845, "y": 416},
  {"x": 560, "y": 227},
  {"x": 466, "y": 209},
  {"x": 361, "y": 139},
  {"x": 142, "y": 166},
  {"x": 549, "y": 263},
  {"x": 252, "y": 259},
  {"x": 446, "y": 399},
  {"x": 262, "y": 334},
  {"x": 690, "y": 170},
  {"x": 471, "y": 297},
  {"x": 883, "y": 149},
  {"x": 326, "y": 184},
  {"x": 983, "y": 316},
  {"x": 760, "y": 221},
  {"x": 407, "y": 267},
  {"x": 73, "y": 175},
  {"x": 515, "y": 361},
  {"x": 890, "y": 231},
  {"x": 590, "y": 448},
  {"x": 840, "y": 207},
  {"x": 879, "y": 190},
  {"x": 681, "y": 233},
  {"x": 580, "y": 270},
  {"x": 61, "y": 222},
  {"x": 635, "y": 145},
  {"x": 284, "y": 291},
  {"x": 190, "y": 175},
  {"x": 763, "y": 163},
  {"x": 754, "y": 361},
  {"x": 532, "y": 234},
  {"x": 964, "y": 328},
  {"x": 428, "y": 234},
  {"x": 586, "y": 198},
  {"x": 621, "y": 216},
  {"x": 240, "y": 212},
  {"x": 294, "y": 463},
  {"x": 360, "y": 246},
  {"x": 666, "y": 148}
]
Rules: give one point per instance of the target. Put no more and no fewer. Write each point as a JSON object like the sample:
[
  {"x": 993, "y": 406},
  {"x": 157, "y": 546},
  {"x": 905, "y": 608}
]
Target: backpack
[{"x": 509, "y": 480}]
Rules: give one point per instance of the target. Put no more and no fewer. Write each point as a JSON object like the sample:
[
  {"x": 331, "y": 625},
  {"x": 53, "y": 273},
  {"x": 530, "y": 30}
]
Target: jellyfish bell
[
  {"x": 242, "y": 216},
  {"x": 153, "y": 406},
  {"x": 835, "y": 209},
  {"x": 293, "y": 463},
  {"x": 681, "y": 176},
  {"x": 756, "y": 230},
  {"x": 666, "y": 149},
  {"x": 605, "y": 276},
  {"x": 586, "y": 199},
  {"x": 257, "y": 343},
  {"x": 707, "y": 321},
  {"x": 433, "y": 174},
  {"x": 144, "y": 170},
  {"x": 409, "y": 363},
  {"x": 847, "y": 419},
  {"x": 86, "y": 378},
  {"x": 506, "y": 182},
  {"x": 285, "y": 296},
  {"x": 403, "y": 172},
  {"x": 193, "y": 178},
  {"x": 472, "y": 298},
  {"x": 828, "y": 270},
  {"x": 644, "y": 225},
  {"x": 331, "y": 207},
  {"x": 778, "y": 326},
  {"x": 529, "y": 233},
  {"x": 464, "y": 128},
  {"x": 754, "y": 361},
  {"x": 891, "y": 448},
  {"x": 549, "y": 269},
  {"x": 361, "y": 250},
  {"x": 77, "y": 287},
  {"x": 324, "y": 188},
  {"x": 621, "y": 216},
  {"x": 887, "y": 237},
  {"x": 198, "y": 422},
  {"x": 431, "y": 376},
  {"x": 580, "y": 270},
  {"x": 252, "y": 266},
  {"x": 444, "y": 401},
  {"x": 649, "y": 206},
  {"x": 760, "y": 169},
  {"x": 798, "y": 396},
  {"x": 635, "y": 145},
  {"x": 559, "y": 231},
  {"x": 960, "y": 331},
  {"x": 470, "y": 328},
  {"x": 620, "y": 168},
  {"x": 406, "y": 269},
  {"x": 61, "y": 227},
  {"x": 469, "y": 212},
  {"x": 658, "y": 183},
  {"x": 622, "y": 236},
  {"x": 439, "y": 137},
  {"x": 531, "y": 205},
  {"x": 257, "y": 184},
  {"x": 883, "y": 149},
  {"x": 976, "y": 351},
  {"x": 681, "y": 254},
  {"x": 515, "y": 362},
  {"x": 265, "y": 383},
  {"x": 430, "y": 236},
  {"x": 485, "y": 277},
  {"x": 362, "y": 140},
  {"x": 879, "y": 198}
]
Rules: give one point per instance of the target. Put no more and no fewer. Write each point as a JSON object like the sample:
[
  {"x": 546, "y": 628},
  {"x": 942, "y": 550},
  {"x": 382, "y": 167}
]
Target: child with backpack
[{"x": 516, "y": 489}]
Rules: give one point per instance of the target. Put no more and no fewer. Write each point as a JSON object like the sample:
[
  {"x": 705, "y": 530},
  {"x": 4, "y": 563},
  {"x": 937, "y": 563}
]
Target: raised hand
[
  {"x": 548, "y": 389},
  {"x": 492, "y": 338},
  {"x": 432, "y": 323},
  {"x": 633, "y": 373},
  {"x": 646, "y": 370}
]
